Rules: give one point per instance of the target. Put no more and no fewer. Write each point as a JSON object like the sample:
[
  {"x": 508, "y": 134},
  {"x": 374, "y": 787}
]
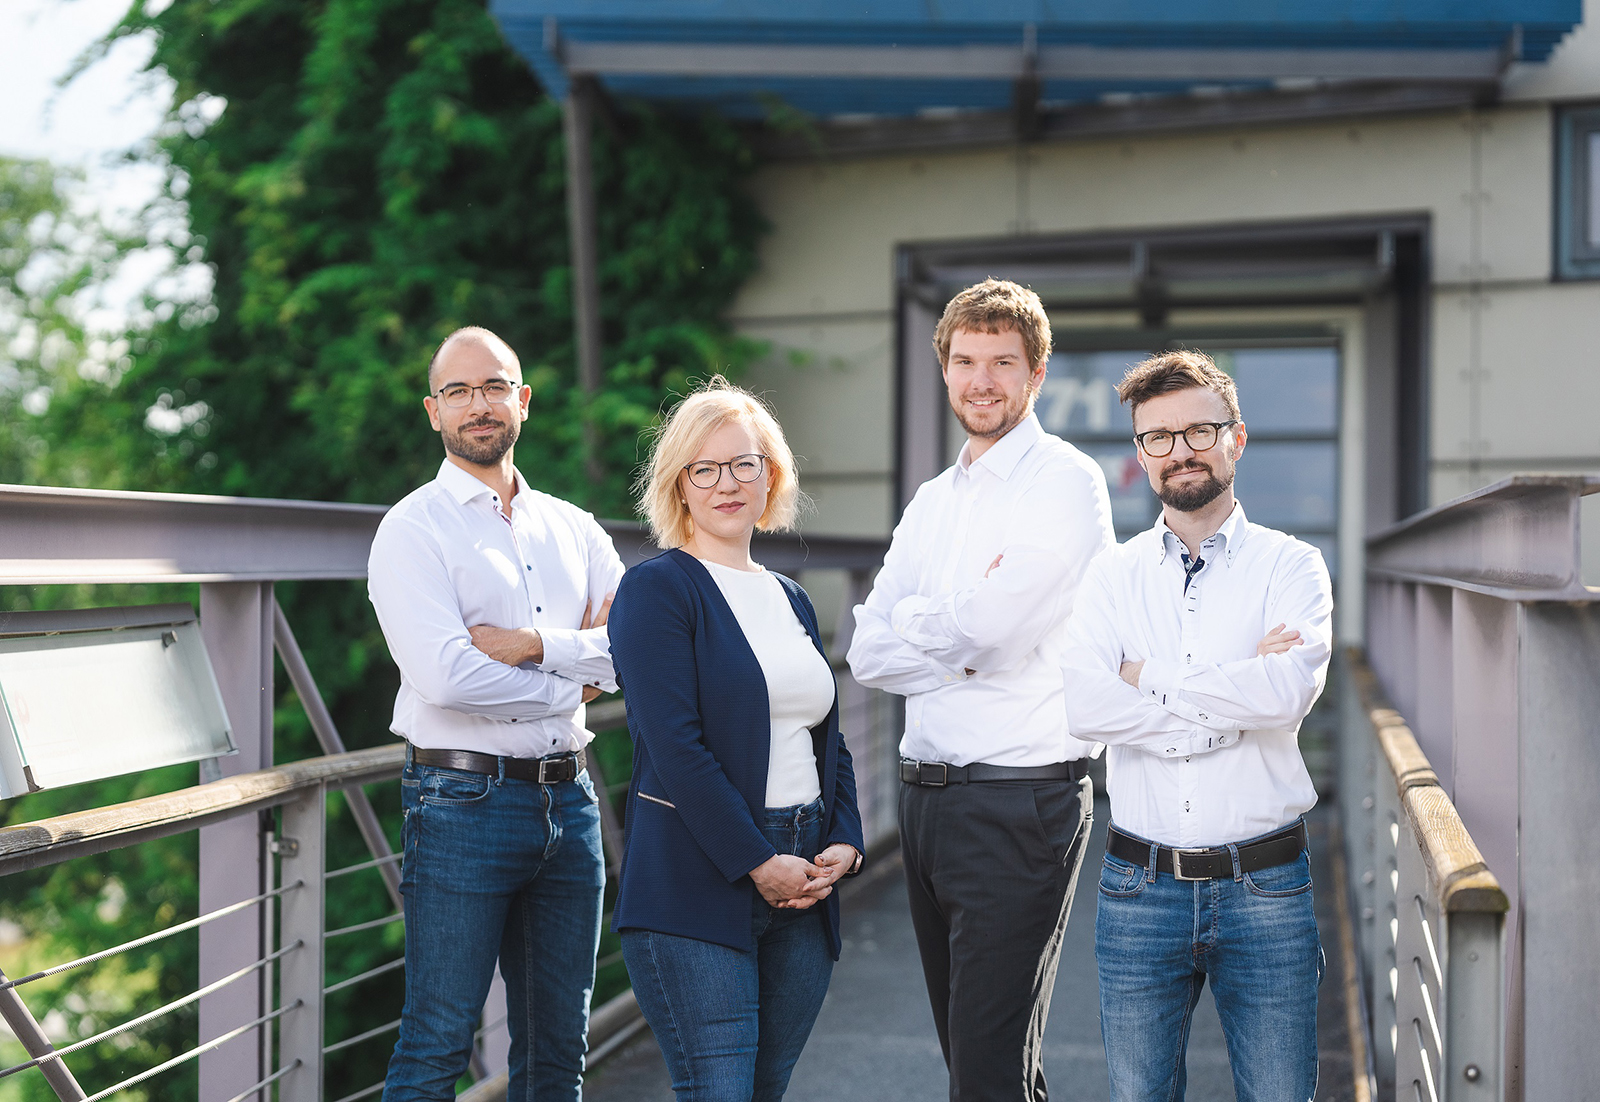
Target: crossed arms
[{"x": 1173, "y": 709}]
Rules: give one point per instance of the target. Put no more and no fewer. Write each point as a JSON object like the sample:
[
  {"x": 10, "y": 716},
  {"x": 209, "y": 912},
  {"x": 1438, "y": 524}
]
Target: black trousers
[{"x": 990, "y": 869}]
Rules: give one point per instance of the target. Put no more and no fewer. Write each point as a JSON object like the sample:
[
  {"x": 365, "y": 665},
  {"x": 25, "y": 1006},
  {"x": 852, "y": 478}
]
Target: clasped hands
[
  {"x": 514, "y": 646},
  {"x": 1276, "y": 641},
  {"x": 793, "y": 883}
]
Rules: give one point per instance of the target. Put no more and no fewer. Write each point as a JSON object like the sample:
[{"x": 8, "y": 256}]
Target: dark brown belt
[
  {"x": 551, "y": 770},
  {"x": 938, "y": 774},
  {"x": 1210, "y": 864}
]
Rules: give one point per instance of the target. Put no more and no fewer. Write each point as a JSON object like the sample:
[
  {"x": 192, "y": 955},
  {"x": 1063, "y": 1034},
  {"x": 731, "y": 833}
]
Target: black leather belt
[
  {"x": 1210, "y": 864},
  {"x": 551, "y": 770},
  {"x": 938, "y": 774}
]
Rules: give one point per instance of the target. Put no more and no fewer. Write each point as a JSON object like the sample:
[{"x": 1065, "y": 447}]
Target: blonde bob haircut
[{"x": 678, "y": 443}]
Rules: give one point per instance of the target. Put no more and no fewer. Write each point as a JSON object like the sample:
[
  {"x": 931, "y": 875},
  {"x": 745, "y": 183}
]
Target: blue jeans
[
  {"x": 496, "y": 867},
  {"x": 732, "y": 1024},
  {"x": 1157, "y": 940}
]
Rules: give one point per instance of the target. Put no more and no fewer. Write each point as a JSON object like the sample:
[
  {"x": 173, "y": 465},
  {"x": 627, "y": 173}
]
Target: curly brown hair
[{"x": 1183, "y": 369}]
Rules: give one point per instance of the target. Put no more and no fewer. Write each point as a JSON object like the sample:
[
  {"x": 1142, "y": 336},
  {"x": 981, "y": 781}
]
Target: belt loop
[
  {"x": 1150, "y": 868},
  {"x": 409, "y": 753},
  {"x": 1238, "y": 873},
  {"x": 500, "y": 764}
]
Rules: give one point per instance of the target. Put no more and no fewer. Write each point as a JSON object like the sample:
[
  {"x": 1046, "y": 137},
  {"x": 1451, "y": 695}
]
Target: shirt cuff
[
  {"x": 561, "y": 647},
  {"x": 1200, "y": 741},
  {"x": 1160, "y": 680}
]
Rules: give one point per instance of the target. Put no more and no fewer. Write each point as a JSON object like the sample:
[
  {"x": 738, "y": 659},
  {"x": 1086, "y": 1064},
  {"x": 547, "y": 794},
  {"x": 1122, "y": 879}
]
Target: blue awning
[{"x": 833, "y": 58}]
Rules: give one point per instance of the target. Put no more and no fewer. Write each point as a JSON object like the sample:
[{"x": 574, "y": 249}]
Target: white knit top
[{"x": 800, "y": 684}]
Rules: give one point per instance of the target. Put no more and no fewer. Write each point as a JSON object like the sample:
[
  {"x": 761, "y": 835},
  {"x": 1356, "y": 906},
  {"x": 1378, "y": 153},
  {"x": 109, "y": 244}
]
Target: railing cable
[
  {"x": 149, "y": 938},
  {"x": 268, "y": 1081},
  {"x": 198, "y": 1050},
  {"x": 359, "y": 926},
  {"x": 328, "y": 1050},
  {"x": 145, "y": 1019},
  {"x": 372, "y": 864},
  {"x": 367, "y": 975},
  {"x": 366, "y": 1092}
]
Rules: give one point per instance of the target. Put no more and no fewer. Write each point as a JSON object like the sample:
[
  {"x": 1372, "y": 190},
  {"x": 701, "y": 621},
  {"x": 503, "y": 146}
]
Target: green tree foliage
[{"x": 361, "y": 177}]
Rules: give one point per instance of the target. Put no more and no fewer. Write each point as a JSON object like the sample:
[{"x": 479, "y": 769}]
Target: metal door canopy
[
  {"x": 836, "y": 58},
  {"x": 93, "y": 693}
]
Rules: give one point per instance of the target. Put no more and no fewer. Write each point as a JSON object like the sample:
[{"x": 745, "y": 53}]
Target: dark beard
[
  {"x": 1190, "y": 497},
  {"x": 486, "y": 451}
]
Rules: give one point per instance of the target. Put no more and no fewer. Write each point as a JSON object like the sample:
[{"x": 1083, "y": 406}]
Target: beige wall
[{"x": 1514, "y": 373}]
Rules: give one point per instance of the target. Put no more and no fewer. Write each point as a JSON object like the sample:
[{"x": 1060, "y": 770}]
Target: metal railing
[
  {"x": 1468, "y": 802},
  {"x": 263, "y": 889}
]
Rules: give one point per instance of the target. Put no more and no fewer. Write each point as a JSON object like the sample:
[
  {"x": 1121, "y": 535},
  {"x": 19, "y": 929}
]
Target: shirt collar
[
  {"x": 1230, "y": 537},
  {"x": 1004, "y": 455},
  {"x": 464, "y": 487}
]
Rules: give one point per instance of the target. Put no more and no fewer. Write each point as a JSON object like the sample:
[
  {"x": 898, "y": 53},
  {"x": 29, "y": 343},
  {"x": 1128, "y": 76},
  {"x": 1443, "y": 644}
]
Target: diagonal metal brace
[
  {"x": 21, "y": 1022},
  {"x": 294, "y": 663}
]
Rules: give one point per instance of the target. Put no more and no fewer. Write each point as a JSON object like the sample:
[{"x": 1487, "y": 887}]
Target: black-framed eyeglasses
[
  {"x": 497, "y": 392},
  {"x": 704, "y": 474},
  {"x": 1157, "y": 443}
]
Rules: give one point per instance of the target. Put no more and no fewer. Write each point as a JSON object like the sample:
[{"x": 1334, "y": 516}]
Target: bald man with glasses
[{"x": 493, "y": 599}]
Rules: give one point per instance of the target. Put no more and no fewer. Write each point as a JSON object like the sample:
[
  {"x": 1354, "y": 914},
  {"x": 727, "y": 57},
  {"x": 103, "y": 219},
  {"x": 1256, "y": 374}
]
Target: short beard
[
  {"x": 1191, "y": 497},
  {"x": 485, "y": 451},
  {"x": 1005, "y": 425}
]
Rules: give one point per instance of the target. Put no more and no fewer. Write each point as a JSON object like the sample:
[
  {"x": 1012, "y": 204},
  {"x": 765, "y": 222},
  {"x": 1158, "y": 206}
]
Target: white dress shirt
[
  {"x": 800, "y": 688},
  {"x": 447, "y": 558},
  {"x": 937, "y": 610},
  {"x": 1204, "y": 752}
]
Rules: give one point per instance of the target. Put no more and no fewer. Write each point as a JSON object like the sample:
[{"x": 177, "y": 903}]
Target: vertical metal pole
[
  {"x": 301, "y": 972},
  {"x": 236, "y": 624},
  {"x": 583, "y": 234}
]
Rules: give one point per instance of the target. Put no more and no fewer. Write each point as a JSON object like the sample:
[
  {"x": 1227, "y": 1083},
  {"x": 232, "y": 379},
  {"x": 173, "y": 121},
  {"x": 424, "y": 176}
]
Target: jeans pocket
[
  {"x": 1120, "y": 880},
  {"x": 453, "y": 787},
  {"x": 587, "y": 785},
  {"x": 1293, "y": 878}
]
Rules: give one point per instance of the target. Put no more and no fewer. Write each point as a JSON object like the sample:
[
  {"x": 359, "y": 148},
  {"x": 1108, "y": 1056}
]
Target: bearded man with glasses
[
  {"x": 1196, "y": 650},
  {"x": 493, "y": 598}
]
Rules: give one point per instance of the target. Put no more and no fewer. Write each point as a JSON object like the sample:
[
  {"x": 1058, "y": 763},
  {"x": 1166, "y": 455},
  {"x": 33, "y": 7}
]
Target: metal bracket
[{"x": 285, "y": 847}]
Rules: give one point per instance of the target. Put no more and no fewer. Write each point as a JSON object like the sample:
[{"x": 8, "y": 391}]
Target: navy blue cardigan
[{"x": 701, "y": 727}]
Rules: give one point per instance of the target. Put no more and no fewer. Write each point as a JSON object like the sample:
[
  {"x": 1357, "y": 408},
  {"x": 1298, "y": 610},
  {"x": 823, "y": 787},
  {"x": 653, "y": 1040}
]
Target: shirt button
[
  {"x": 536, "y": 608},
  {"x": 530, "y": 567}
]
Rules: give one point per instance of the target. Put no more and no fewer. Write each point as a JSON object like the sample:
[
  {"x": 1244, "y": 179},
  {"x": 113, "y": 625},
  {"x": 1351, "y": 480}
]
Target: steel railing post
[
  {"x": 236, "y": 624},
  {"x": 302, "y": 853}
]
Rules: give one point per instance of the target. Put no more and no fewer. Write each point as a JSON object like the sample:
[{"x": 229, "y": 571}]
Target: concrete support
[
  {"x": 236, "y": 624},
  {"x": 922, "y": 413}
]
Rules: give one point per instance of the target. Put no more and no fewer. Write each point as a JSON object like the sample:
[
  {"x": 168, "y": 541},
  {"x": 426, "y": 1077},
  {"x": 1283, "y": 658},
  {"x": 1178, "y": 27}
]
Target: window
[{"x": 1578, "y": 193}]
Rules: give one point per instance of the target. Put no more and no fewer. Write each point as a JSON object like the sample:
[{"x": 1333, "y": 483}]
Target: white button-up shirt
[
  {"x": 937, "y": 610},
  {"x": 447, "y": 558},
  {"x": 1204, "y": 752}
]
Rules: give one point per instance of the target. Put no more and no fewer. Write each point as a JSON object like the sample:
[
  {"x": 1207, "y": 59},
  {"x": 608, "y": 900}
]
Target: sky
[
  {"x": 89, "y": 125},
  {"x": 105, "y": 110}
]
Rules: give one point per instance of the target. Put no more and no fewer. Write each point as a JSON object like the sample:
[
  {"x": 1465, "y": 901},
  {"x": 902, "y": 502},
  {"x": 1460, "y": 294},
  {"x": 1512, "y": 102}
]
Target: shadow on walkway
[{"x": 875, "y": 1040}]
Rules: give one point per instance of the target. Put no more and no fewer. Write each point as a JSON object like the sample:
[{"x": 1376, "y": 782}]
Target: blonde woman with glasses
[{"x": 742, "y": 811}]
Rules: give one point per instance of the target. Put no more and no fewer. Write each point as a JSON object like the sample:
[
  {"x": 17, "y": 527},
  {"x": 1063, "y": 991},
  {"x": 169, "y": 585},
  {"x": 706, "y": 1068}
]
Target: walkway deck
[{"x": 875, "y": 1038}]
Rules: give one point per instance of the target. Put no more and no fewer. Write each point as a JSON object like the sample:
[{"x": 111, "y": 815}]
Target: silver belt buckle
[
  {"x": 944, "y": 779},
  {"x": 1177, "y": 864},
  {"x": 547, "y": 770}
]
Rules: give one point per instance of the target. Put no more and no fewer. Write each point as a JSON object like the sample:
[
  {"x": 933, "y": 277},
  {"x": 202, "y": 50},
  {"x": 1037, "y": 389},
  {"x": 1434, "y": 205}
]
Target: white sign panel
[{"x": 86, "y": 704}]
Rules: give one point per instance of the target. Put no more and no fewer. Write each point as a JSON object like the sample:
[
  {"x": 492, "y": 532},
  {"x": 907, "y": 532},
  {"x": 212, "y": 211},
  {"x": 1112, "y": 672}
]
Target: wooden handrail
[
  {"x": 1455, "y": 865},
  {"x": 80, "y": 833}
]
